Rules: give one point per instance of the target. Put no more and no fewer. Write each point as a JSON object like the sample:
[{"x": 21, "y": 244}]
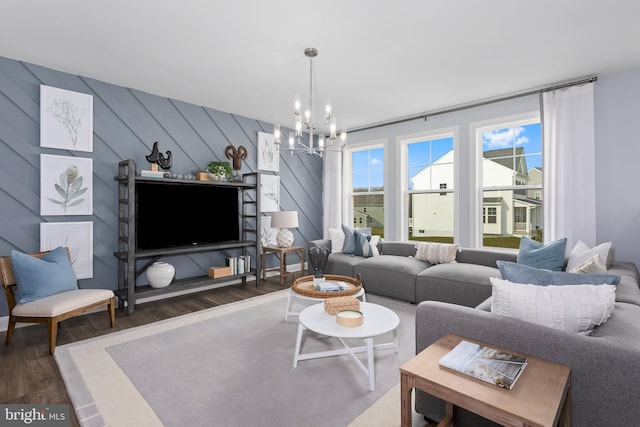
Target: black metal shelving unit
[{"x": 127, "y": 255}]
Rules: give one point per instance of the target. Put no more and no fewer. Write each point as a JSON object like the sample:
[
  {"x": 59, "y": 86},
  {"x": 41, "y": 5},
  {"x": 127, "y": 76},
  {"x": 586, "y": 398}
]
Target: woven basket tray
[{"x": 304, "y": 286}]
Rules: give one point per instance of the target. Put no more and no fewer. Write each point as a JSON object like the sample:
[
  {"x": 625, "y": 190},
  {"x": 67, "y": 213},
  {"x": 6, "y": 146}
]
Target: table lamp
[{"x": 284, "y": 221}]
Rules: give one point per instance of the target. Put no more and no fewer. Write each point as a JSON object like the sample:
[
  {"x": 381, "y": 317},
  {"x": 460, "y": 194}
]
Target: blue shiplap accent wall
[{"x": 126, "y": 124}]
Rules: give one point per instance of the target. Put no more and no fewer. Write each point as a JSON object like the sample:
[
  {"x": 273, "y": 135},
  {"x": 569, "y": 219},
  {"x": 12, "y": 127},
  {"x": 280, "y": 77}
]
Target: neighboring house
[
  {"x": 368, "y": 211},
  {"x": 504, "y": 212}
]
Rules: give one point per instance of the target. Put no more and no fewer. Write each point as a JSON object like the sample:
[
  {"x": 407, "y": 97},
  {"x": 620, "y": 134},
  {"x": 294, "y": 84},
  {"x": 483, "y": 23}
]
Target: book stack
[
  {"x": 485, "y": 363},
  {"x": 239, "y": 264},
  {"x": 152, "y": 174},
  {"x": 323, "y": 286}
]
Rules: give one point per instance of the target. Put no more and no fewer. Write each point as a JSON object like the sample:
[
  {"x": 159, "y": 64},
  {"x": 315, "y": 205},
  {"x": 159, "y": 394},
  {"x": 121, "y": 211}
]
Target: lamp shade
[{"x": 286, "y": 219}]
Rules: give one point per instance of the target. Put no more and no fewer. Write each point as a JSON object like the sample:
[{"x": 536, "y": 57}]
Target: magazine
[
  {"x": 323, "y": 286},
  {"x": 485, "y": 363}
]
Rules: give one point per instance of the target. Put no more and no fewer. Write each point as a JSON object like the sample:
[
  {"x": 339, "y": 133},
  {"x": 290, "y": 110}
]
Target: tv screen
[{"x": 170, "y": 215}]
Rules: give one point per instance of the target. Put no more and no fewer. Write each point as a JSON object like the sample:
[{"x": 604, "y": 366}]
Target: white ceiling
[{"x": 378, "y": 59}]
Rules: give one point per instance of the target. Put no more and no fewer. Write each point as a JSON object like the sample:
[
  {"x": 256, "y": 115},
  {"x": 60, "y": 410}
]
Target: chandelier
[{"x": 325, "y": 143}]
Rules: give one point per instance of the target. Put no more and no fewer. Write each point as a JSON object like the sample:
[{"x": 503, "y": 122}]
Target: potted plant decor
[{"x": 222, "y": 170}]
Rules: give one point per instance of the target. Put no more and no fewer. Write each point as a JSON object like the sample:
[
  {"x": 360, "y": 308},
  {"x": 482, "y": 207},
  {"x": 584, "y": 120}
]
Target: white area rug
[{"x": 231, "y": 365}]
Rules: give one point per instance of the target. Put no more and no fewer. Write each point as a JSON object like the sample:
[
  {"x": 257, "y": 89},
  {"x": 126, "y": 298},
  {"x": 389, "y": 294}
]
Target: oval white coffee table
[{"x": 377, "y": 320}]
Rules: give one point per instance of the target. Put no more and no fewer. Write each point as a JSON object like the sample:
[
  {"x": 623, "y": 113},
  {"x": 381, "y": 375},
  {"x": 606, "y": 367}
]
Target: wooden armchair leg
[
  {"x": 53, "y": 334},
  {"x": 10, "y": 327},
  {"x": 112, "y": 312}
]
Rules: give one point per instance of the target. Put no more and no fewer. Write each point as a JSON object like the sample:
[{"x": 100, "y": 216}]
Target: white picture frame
[
  {"x": 66, "y": 185},
  {"x": 66, "y": 119},
  {"x": 269, "y": 193},
  {"x": 77, "y": 236},
  {"x": 267, "y": 233},
  {"x": 268, "y": 153}
]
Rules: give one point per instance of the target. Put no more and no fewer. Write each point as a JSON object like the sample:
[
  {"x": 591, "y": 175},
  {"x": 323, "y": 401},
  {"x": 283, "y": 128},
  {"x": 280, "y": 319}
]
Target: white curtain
[
  {"x": 332, "y": 193},
  {"x": 569, "y": 165}
]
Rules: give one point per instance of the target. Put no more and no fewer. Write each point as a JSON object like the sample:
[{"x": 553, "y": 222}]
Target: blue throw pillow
[
  {"x": 363, "y": 245},
  {"x": 518, "y": 273},
  {"x": 549, "y": 256},
  {"x": 349, "y": 244},
  {"x": 40, "y": 277}
]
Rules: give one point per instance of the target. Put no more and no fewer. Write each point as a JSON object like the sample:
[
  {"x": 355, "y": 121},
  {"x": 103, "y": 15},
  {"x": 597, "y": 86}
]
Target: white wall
[{"x": 617, "y": 110}]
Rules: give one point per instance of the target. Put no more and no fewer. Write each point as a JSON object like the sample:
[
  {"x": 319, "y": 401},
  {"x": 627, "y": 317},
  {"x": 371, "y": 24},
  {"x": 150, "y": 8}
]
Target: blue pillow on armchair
[
  {"x": 519, "y": 273},
  {"x": 41, "y": 277},
  {"x": 549, "y": 256}
]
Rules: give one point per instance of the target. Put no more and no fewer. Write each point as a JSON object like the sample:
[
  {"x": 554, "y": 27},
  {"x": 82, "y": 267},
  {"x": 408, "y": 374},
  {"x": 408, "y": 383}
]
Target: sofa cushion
[
  {"x": 582, "y": 252},
  {"x": 577, "y": 308},
  {"x": 337, "y": 239},
  {"x": 549, "y": 256},
  {"x": 41, "y": 277},
  {"x": 519, "y": 273},
  {"x": 390, "y": 275},
  {"x": 593, "y": 265},
  {"x": 460, "y": 283},
  {"x": 366, "y": 245},
  {"x": 436, "y": 253},
  {"x": 342, "y": 264}
]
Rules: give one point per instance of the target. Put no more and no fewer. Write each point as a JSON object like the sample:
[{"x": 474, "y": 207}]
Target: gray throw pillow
[{"x": 518, "y": 273}]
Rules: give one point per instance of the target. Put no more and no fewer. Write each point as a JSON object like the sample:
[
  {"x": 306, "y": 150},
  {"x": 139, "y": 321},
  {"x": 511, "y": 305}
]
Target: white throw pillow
[
  {"x": 436, "y": 253},
  {"x": 337, "y": 239},
  {"x": 576, "y": 308},
  {"x": 582, "y": 252},
  {"x": 593, "y": 265},
  {"x": 374, "y": 245}
]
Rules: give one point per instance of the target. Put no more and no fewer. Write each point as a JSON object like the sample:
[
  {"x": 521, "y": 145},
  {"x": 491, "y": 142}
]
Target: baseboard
[{"x": 4, "y": 320}]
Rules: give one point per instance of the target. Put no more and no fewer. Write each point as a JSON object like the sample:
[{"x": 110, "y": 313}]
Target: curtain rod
[{"x": 477, "y": 104}]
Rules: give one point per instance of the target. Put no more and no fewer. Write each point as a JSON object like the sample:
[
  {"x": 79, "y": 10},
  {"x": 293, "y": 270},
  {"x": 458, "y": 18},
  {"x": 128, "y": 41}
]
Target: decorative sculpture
[
  {"x": 318, "y": 257},
  {"x": 156, "y": 157},
  {"x": 237, "y": 155}
]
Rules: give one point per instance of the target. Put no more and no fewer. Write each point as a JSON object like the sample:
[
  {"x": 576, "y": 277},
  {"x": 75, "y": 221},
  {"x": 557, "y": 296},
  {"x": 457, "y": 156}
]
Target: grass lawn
[{"x": 491, "y": 241}]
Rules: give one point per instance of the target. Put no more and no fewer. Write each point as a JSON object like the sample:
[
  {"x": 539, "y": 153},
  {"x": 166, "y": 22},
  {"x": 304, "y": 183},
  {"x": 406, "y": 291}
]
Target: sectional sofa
[
  {"x": 398, "y": 274},
  {"x": 456, "y": 298}
]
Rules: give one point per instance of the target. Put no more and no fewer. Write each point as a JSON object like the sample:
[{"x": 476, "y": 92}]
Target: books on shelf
[
  {"x": 239, "y": 264},
  {"x": 485, "y": 363},
  {"x": 152, "y": 174}
]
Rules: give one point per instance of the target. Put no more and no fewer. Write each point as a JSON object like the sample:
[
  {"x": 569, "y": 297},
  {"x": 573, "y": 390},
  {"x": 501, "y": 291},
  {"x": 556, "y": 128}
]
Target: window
[
  {"x": 512, "y": 183},
  {"x": 367, "y": 180},
  {"x": 430, "y": 166}
]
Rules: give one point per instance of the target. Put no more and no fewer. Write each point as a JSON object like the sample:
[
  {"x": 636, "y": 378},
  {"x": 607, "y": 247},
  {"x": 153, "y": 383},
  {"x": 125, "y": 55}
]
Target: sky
[{"x": 368, "y": 165}]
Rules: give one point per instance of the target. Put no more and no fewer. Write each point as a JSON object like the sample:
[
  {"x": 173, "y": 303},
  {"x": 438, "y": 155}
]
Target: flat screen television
[{"x": 174, "y": 215}]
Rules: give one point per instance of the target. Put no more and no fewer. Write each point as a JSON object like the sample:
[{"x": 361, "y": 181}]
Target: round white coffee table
[{"x": 377, "y": 320}]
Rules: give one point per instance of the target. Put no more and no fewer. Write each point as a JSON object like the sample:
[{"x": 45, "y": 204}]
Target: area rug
[{"x": 227, "y": 366}]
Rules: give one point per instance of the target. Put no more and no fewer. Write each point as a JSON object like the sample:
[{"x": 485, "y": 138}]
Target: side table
[
  {"x": 541, "y": 397},
  {"x": 282, "y": 254}
]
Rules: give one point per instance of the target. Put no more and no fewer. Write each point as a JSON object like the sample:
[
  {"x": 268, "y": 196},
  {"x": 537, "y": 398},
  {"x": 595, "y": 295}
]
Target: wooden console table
[
  {"x": 282, "y": 253},
  {"x": 541, "y": 397}
]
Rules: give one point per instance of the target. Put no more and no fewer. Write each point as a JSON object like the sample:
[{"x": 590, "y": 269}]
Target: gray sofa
[
  {"x": 456, "y": 298},
  {"x": 396, "y": 274},
  {"x": 605, "y": 367}
]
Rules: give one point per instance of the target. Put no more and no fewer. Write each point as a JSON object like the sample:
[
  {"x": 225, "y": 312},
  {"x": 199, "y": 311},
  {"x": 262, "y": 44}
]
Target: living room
[{"x": 128, "y": 118}]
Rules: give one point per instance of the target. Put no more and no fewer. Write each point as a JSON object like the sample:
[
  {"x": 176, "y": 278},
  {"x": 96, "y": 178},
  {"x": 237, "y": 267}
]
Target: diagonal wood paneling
[{"x": 126, "y": 124}]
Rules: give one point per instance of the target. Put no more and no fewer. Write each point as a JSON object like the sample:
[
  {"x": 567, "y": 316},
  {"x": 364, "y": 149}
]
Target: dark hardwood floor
[{"x": 29, "y": 374}]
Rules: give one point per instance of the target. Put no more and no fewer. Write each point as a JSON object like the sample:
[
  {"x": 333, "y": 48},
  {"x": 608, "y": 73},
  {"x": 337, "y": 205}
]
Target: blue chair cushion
[{"x": 37, "y": 278}]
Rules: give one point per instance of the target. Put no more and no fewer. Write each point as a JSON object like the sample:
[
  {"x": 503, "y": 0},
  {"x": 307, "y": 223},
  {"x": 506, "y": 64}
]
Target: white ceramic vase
[{"x": 160, "y": 274}]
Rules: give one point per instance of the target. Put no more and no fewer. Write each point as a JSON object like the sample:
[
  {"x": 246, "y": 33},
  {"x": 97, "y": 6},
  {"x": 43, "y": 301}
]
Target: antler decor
[{"x": 237, "y": 155}]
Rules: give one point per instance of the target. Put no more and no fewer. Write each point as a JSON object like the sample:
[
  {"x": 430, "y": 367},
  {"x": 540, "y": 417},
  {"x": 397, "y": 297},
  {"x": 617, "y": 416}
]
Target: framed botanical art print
[
  {"x": 66, "y": 185},
  {"x": 269, "y": 193},
  {"x": 77, "y": 236},
  {"x": 268, "y": 153},
  {"x": 267, "y": 233},
  {"x": 66, "y": 119}
]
